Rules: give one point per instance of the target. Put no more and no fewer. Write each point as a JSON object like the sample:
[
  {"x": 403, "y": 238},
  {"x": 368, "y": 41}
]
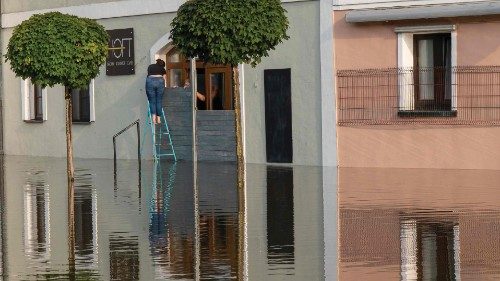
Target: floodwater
[{"x": 290, "y": 223}]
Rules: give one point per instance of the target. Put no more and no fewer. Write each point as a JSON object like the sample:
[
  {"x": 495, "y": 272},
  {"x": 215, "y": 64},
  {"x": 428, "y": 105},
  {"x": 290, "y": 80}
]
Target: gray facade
[
  {"x": 9, "y": 6},
  {"x": 120, "y": 100},
  {"x": 301, "y": 54}
]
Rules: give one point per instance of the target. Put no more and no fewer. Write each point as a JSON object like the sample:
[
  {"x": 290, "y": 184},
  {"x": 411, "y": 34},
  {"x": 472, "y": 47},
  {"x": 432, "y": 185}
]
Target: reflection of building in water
[
  {"x": 86, "y": 234},
  {"x": 123, "y": 257},
  {"x": 393, "y": 220},
  {"x": 280, "y": 212},
  {"x": 37, "y": 220},
  {"x": 218, "y": 220},
  {"x": 172, "y": 231},
  {"x": 219, "y": 245},
  {"x": 429, "y": 250}
]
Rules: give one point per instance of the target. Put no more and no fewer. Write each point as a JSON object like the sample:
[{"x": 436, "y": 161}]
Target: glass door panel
[{"x": 219, "y": 89}]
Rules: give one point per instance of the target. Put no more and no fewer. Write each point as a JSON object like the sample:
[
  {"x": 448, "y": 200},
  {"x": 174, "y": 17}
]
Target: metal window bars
[{"x": 462, "y": 95}]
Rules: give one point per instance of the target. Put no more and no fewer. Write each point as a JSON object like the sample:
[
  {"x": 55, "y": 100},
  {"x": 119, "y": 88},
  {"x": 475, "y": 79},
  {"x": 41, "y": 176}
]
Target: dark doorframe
[{"x": 278, "y": 110}]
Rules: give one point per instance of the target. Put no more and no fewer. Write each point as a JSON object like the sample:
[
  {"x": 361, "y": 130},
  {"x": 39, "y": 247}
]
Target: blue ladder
[{"x": 157, "y": 133}]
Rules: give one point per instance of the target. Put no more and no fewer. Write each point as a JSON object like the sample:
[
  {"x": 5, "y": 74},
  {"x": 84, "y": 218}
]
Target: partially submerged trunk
[
  {"x": 71, "y": 231},
  {"x": 69, "y": 137},
  {"x": 241, "y": 173}
]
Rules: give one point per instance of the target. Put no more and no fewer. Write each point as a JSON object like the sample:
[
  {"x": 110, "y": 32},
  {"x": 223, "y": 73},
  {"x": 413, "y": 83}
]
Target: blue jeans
[{"x": 154, "y": 90}]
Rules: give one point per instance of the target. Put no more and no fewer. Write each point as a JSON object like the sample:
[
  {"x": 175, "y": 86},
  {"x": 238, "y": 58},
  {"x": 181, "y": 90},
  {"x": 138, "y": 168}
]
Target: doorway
[
  {"x": 278, "y": 110},
  {"x": 214, "y": 81}
]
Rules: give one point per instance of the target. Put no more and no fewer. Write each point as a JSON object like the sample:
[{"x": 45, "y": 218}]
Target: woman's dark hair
[{"x": 160, "y": 62}]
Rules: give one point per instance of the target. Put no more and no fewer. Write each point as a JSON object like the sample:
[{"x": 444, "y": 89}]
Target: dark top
[{"x": 155, "y": 69}]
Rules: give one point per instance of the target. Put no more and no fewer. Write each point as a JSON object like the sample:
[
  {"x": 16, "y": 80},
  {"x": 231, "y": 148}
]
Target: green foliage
[
  {"x": 56, "y": 48},
  {"x": 229, "y": 31}
]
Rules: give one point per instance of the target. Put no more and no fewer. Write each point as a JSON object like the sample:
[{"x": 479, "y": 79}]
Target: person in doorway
[
  {"x": 200, "y": 98},
  {"x": 155, "y": 86},
  {"x": 216, "y": 99}
]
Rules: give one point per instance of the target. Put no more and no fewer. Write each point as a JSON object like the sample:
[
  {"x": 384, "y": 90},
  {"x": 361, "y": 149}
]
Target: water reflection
[
  {"x": 36, "y": 218},
  {"x": 438, "y": 225},
  {"x": 123, "y": 257},
  {"x": 280, "y": 229},
  {"x": 430, "y": 250},
  {"x": 102, "y": 231}
]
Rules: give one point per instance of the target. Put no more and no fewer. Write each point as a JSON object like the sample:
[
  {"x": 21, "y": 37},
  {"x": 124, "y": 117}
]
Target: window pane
[
  {"x": 38, "y": 108},
  {"x": 217, "y": 90},
  {"x": 75, "y": 99},
  {"x": 174, "y": 57},
  {"x": 81, "y": 104},
  {"x": 175, "y": 78},
  {"x": 426, "y": 71}
]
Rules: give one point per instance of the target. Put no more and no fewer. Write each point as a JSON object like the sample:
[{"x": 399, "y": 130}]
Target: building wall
[
  {"x": 119, "y": 101},
  {"x": 9, "y": 6},
  {"x": 374, "y": 45},
  {"x": 362, "y": 4},
  {"x": 301, "y": 54}
]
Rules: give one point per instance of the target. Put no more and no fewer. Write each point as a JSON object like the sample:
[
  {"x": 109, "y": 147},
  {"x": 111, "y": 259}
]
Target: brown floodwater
[{"x": 185, "y": 222}]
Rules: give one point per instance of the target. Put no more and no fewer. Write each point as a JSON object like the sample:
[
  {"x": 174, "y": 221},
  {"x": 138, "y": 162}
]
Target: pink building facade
[{"x": 417, "y": 85}]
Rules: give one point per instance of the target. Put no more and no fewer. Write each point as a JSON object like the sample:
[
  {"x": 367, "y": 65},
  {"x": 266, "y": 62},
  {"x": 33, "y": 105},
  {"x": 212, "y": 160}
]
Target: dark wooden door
[{"x": 278, "y": 104}]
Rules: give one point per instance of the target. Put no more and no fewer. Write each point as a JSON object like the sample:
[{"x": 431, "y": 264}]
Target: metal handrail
[{"x": 136, "y": 122}]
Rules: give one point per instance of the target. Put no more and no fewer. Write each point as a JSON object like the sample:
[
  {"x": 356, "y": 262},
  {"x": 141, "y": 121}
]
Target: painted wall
[
  {"x": 362, "y": 46},
  {"x": 363, "y": 4},
  {"x": 301, "y": 54},
  {"x": 9, "y": 6},
  {"x": 119, "y": 101}
]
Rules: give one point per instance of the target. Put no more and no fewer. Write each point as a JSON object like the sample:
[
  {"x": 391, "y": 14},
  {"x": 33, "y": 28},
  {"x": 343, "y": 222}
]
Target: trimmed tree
[
  {"x": 230, "y": 32},
  {"x": 56, "y": 48}
]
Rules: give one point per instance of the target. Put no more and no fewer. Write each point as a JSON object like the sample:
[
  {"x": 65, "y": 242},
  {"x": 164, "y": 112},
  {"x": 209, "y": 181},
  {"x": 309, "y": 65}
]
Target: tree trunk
[
  {"x": 69, "y": 137},
  {"x": 241, "y": 174},
  {"x": 237, "y": 113}
]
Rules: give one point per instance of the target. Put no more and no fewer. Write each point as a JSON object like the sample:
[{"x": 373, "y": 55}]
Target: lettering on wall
[{"x": 121, "y": 60}]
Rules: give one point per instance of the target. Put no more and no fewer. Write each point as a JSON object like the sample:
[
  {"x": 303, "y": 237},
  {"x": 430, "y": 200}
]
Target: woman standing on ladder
[{"x": 155, "y": 86}]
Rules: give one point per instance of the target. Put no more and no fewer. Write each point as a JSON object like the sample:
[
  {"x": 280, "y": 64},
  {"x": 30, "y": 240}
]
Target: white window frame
[
  {"x": 405, "y": 60},
  {"x": 27, "y": 94},
  {"x": 92, "y": 100}
]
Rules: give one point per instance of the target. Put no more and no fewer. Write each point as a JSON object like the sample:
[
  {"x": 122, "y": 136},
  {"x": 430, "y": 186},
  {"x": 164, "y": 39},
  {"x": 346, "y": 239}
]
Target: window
[
  {"x": 83, "y": 104},
  {"x": 426, "y": 57},
  {"x": 430, "y": 250},
  {"x": 214, "y": 81},
  {"x": 432, "y": 69},
  {"x": 34, "y": 102}
]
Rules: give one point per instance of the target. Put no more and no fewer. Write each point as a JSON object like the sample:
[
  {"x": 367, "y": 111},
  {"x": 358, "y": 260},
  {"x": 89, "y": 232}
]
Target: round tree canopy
[
  {"x": 229, "y": 31},
  {"x": 56, "y": 48}
]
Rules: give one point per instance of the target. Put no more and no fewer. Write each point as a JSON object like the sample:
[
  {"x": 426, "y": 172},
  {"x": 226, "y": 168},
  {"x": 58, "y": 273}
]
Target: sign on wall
[{"x": 120, "y": 59}]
